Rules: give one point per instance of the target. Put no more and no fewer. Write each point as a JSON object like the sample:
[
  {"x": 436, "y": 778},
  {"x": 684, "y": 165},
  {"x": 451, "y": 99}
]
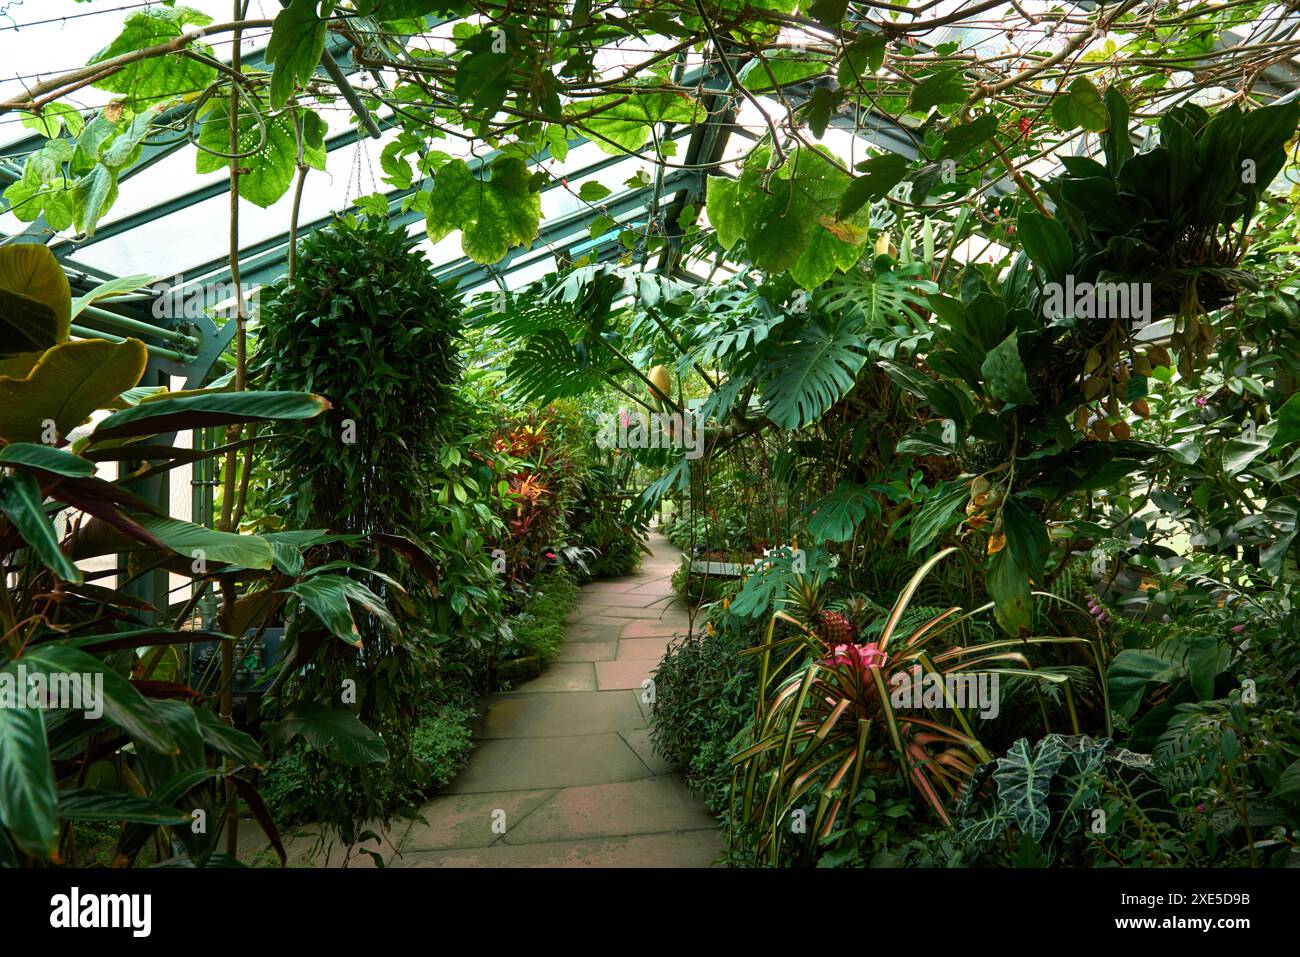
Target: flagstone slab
[
  {"x": 625, "y": 612},
  {"x": 589, "y": 651},
  {"x": 566, "y": 676},
  {"x": 643, "y": 649},
  {"x": 639, "y": 741},
  {"x": 650, "y": 806},
  {"x": 700, "y": 848},
  {"x": 529, "y": 764},
  {"x": 616, "y": 675},
  {"x": 623, "y": 598},
  {"x": 579, "y": 617},
  {"x": 611, "y": 586},
  {"x": 470, "y": 820},
  {"x": 593, "y": 631},
  {"x": 644, "y": 628},
  {"x": 523, "y": 715}
]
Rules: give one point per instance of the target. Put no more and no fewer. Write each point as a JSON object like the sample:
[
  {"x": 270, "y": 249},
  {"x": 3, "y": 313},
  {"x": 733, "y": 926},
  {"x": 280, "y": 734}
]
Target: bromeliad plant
[{"x": 824, "y": 709}]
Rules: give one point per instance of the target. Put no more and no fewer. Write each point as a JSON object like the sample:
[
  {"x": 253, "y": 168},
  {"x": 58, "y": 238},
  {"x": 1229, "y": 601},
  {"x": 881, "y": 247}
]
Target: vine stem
[
  {"x": 59, "y": 86},
  {"x": 226, "y": 613}
]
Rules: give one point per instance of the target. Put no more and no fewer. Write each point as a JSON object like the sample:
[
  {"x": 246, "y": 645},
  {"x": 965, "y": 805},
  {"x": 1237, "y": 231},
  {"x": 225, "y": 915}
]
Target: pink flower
[
  {"x": 859, "y": 657},
  {"x": 550, "y": 555},
  {"x": 1238, "y": 629},
  {"x": 1200, "y": 401}
]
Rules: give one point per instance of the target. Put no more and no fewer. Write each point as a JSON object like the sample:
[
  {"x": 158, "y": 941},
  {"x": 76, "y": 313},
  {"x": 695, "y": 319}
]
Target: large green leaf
[
  {"x": 823, "y": 257},
  {"x": 227, "y": 740},
  {"x": 20, "y": 502},
  {"x": 1008, "y": 585},
  {"x": 29, "y": 271},
  {"x": 1127, "y": 678},
  {"x": 960, "y": 140},
  {"x": 330, "y": 599},
  {"x": 723, "y": 203},
  {"x": 28, "y": 795},
  {"x": 941, "y": 88},
  {"x": 625, "y": 122},
  {"x": 1288, "y": 423},
  {"x": 781, "y": 214},
  {"x": 1081, "y": 106},
  {"x": 1047, "y": 243},
  {"x": 337, "y": 734},
  {"x": 1026, "y": 536},
  {"x": 66, "y": 385},
  {"x": 1024, "y": 782},
  {"x": 154, "y": 416},
  {"x": 492, "y": 214},
  {"x": 862, "y": 58},
  {"x": 123, "y": 705},
  {"x": 1005, "y": 373},
  {"x": 942, "y": 510},
  {"x": 880, "y": 174},
  {"x": 808, "y": 375},
  {"x": 33, "y": 455},
  {"x": 87, "y": 804},
  {"x": 884, "y": 295},
  {"x": 160, "y": 77},
  {"x": 269, "y": 172},
  {"x": 779, "y": 70},
  {"x": 547, "y": 366},
  {"x": 195, "y": 541},
  {"x": 836, "y": 516},
  {"x": 297, "y": 42}
]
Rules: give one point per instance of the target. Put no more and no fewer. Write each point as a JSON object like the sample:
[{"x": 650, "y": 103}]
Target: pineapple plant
[{"x": 834, "y": 628}]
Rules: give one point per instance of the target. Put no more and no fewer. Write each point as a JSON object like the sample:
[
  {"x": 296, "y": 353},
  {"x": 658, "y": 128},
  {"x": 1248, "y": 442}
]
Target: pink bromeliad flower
[{"x": 859, "y": 657}]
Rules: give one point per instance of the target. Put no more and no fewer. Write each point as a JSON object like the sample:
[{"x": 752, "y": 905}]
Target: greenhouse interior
[{"x": 649, "y": 434}]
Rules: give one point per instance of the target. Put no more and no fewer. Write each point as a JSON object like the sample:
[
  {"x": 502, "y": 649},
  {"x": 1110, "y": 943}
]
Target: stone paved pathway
[{"x": 566, "y": 759}]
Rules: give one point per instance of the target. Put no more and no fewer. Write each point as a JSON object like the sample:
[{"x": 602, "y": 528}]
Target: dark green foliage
[
  {"x": 705, "y": 696},
  {"x": 443, "y": 742},
  {"x": 286, "y": 788},
  {"x": 539, "y": 628},
  {"x": 365, "y": 324}
]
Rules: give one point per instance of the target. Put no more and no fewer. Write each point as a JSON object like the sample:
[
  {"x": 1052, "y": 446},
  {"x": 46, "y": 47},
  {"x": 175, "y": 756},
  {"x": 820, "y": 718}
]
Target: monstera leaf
[
  {"x": 808, "y": 375},
  {"x": 835, "y": 517}
]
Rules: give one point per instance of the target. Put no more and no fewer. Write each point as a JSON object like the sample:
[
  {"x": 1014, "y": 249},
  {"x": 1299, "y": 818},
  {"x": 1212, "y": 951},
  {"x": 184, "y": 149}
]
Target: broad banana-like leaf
[
  {"x": 155, "y": 416},
  {"x": 66, "y": 385},
  {"x": 20, "y": 502},
  {"x": 35, "y": 299},
  {"x": 28, "y": 794}
]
